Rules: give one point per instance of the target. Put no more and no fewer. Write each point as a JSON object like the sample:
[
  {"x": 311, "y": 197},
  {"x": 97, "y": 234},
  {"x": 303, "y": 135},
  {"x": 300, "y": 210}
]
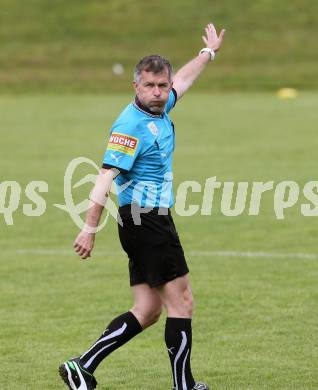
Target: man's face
[{"x": 153, "y": 90}]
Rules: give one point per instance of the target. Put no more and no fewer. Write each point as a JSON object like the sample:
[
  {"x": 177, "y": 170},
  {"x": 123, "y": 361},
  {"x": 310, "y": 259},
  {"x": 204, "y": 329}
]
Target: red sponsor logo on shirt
[{"x": 123, "y": 143}]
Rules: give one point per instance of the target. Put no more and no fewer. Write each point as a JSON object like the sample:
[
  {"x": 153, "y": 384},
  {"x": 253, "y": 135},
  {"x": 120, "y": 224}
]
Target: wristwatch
[{"x": 210, "y": 51}]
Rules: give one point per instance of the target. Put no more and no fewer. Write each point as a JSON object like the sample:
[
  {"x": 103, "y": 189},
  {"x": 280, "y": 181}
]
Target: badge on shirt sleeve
[{"x": 123, "y": 143}]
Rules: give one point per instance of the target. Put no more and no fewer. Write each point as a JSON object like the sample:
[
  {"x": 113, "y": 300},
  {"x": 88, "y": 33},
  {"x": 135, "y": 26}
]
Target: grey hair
[{"x": 153, "y": 63}]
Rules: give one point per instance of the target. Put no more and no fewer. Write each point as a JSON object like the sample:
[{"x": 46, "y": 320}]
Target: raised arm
[{"x": 185, "y": 76}]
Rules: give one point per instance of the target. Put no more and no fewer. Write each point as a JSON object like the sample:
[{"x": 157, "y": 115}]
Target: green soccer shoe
[{"x": 76, "y": 377}]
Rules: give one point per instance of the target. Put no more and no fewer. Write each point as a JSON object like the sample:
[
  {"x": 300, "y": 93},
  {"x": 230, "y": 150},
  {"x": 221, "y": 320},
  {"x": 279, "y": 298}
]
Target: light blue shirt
[{"x": 141, "y": 146}]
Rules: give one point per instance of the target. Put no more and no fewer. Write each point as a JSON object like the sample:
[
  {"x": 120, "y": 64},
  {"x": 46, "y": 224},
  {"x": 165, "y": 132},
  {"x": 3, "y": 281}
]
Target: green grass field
[
  {"x": 72, "y": 46},
  {"x": 255, "y": 322}
]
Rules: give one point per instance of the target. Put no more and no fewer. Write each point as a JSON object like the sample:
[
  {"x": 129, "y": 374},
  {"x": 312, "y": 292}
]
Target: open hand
[{"x": 211, "y": 39}]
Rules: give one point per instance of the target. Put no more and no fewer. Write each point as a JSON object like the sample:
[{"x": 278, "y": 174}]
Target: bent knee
[
  {"x": 155, "y": 316},
  {"x": 147, "y": 317},
  {"x": 187, "y": 304},
  {"x": 182, "y": 306}
]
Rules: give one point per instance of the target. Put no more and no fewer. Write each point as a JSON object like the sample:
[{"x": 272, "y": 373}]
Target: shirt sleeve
[
  {"x": 123, "y": 147},
  {"x": 172, "y": 100}
]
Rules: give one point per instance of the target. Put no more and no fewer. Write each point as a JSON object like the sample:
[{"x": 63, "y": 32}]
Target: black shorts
[{"x": 153, "y": 247}]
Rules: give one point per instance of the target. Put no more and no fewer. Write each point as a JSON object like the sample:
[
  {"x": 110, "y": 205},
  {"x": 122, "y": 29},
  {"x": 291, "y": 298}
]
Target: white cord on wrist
[{"x": 210, "y": 51}]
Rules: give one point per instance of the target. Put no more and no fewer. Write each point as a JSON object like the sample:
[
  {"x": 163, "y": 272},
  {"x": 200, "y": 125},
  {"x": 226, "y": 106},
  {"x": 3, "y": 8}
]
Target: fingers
[
  {"x": 211, "y": 32},
  {"x": 211, "y": 39},
  {"x": 212, "y": 29},
  {"x": 220, "y": 39},
  {"x": 83, "y": 249},
  {"x": 204, "y": 40},
  {"x": 222, "y": 34},
  {"x": 208, "y": 33}
]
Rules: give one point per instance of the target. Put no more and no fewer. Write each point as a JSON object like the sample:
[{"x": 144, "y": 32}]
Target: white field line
[
  {"x": 235, "y": 254},
  {"x": 282, "y": 255}
]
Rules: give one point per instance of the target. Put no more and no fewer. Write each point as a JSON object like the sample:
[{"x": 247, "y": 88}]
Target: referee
[{"x": 139, "y": 158}]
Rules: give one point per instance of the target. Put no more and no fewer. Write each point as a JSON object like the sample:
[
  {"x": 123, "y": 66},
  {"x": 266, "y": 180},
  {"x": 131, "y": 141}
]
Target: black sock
[
  {"x": 178, "y": 337},
  {"x": 118, "y": 332}
]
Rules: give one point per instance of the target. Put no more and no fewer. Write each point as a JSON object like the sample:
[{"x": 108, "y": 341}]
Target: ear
[{"x": 135, "y": 85}]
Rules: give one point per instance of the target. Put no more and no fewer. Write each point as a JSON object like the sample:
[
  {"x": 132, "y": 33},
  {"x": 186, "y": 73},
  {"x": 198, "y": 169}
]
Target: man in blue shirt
[
  {"x": 141, "y": 146},
  {"x": 139, "y": 158}
]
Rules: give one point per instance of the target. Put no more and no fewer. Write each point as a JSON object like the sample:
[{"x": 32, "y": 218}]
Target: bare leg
[
  {"x": 146, "y": 311},
  {"x": 177, "y": 297},
  {"x": 147, "y": 304}
]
